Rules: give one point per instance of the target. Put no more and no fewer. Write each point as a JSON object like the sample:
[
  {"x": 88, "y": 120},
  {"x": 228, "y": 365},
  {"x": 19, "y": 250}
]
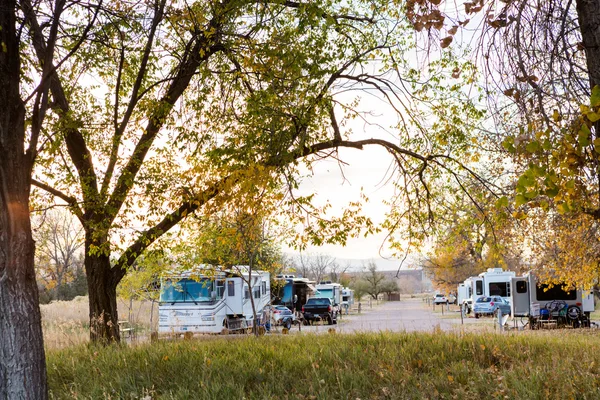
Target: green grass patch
[{"x": 546, "y": 365}]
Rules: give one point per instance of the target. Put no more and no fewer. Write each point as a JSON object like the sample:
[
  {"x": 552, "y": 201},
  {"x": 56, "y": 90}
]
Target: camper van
[
  {"x": 493, "y": 282},
  {"x": 540, "y": 302},
  {"x": 209, "y": 301}
]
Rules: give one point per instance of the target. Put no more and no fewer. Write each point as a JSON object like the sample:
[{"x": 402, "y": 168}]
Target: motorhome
[
  {"x": 493, "y": 282},
  {"x": 292, "y": 292},
  {"x": 205, "y": 300},
  {"x": 541, "y": 302},
  {"x": 330, "y": 290}
]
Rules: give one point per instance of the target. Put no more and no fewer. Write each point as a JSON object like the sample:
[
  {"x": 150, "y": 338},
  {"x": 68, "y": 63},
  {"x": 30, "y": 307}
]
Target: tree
[
  {"x": 316, "y": 266},
  {"x": 58, "y": 252},
  {"x": 542, "y": 67},
  {"x": 389, "y": 286},
  {"x": 170, "y": 108},
  {"x": 244, "y": 237},
  {"x": 374, "y": 279},
  {"x": 360, "y": 287}
]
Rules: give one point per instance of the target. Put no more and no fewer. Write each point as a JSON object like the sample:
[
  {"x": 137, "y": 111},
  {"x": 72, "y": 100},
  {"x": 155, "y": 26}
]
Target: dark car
[
  {"x": 489, "y": 305},
  {"x": 320, "y": 309}
]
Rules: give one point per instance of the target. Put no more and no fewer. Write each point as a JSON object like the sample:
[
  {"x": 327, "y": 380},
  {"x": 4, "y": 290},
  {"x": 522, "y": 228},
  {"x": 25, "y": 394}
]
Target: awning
[{"x": 311, "y": 288}]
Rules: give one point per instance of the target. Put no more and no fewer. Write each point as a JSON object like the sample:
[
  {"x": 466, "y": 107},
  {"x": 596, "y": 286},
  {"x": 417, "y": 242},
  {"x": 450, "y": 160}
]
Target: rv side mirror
[
  {"x": 295, "y": 298},
  {"x": 213, "y": 295}
]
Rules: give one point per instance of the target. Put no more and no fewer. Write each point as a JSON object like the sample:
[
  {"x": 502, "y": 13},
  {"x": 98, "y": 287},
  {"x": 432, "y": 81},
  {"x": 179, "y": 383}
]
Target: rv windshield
[
  {"x": 325, "y": 293},
  {"x": 186, "y": 290}
]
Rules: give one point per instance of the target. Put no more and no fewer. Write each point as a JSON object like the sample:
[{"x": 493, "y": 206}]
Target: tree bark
[
  {"x": 588, "y": 12},
  {"x": 102, "y": 289},
  {"x": 22, "y": 358}
]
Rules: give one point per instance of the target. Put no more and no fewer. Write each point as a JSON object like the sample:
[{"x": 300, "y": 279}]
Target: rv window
[
  {"x": 186, "y": 290},
  {"x": 470, "y": 291},
  {"x": 479, "y": 288},
  {"x": 521, "y": 287},
  {"x": 256, "y": 291},
  {"x": 554, "y": 293},
  {"x": 499, "y": 289},
  {"x": 230, "y": 288},
  {"x": 220, "y": 288},
  {"x": 246, "y": 293},
  {"x": 264, "y": 288}
]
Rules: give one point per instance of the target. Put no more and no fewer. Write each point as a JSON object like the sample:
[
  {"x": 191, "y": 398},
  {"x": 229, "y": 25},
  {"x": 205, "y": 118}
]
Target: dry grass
[{"x": 66, "y": 323}]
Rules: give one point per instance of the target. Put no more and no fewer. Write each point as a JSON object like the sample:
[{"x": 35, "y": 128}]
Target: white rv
[
  {"x": 493, "y": 282},
  {"x": 539, "y": 302},
  {"x": 205, "y": 301}
]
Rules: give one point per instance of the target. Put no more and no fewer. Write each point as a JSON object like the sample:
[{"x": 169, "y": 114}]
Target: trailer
[
  {"x": 493, "y": 282},
  {"x": 292, "y": 292},
  {"x": 464, "y": 292},
  {"x": 331, "y": 291},
  {"x": 347, "y": 299},
  {"x": 209, "y": 300},
  {"x": 543, "y": 304}
]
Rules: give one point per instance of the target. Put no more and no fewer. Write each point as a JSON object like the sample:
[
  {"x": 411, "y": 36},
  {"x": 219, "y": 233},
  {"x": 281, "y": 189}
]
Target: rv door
[
  {"x": 478, "y": 289},
  {"x": 519, "y": 296}
]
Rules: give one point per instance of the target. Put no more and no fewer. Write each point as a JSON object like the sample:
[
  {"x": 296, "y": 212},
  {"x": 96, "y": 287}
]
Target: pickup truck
[{"x": 320, "y": 308}]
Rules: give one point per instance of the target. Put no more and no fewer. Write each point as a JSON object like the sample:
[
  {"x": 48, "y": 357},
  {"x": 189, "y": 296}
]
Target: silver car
[{"x": 489, "y": 305}]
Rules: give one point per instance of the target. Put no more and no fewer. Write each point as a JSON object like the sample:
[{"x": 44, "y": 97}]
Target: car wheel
[
  {"x": 476, "y": 315},
  {"x": 288, "y": 324},
  {"x": 329, "y": 320}
]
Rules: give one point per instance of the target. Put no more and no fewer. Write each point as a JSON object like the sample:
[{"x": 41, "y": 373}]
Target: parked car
[
  {"x": 489, "y": 305},
  {"x": 440, "y": 299},
  {"x": 320, "y": 308},
  {"x": 283, "y": 316}
]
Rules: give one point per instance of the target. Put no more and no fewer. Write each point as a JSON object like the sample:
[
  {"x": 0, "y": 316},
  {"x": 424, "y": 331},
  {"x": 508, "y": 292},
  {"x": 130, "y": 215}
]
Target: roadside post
[
  {"x": 462, "y": 310},
  {"x": 500, "y": 319}
]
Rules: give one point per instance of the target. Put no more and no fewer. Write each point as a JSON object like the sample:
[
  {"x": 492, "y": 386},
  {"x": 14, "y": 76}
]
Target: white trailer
[
  {"x": 464, "y": 292},
  {"x": 493, "y": 282},
  {"x": 541, "y": 303},
  {"x": 209, "y": 301},
  {"x": 347, "y": 299}
]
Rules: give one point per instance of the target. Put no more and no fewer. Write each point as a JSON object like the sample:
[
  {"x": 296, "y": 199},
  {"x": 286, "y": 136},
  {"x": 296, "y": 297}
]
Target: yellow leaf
[{"x": 450, "y": 378}]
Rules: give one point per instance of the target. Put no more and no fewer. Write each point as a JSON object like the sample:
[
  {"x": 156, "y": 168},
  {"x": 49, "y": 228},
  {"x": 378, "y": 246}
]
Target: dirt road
[{"x": 397, "y": 316}]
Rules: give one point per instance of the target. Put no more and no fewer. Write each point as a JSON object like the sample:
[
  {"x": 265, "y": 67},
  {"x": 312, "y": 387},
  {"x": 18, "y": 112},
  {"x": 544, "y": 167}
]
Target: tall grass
[
  {"x": 66, "y": 323},
  {"x": 553, "y": 365}
]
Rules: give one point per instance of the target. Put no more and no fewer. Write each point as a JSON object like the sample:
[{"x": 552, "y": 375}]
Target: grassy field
[
  {"x": 525, "y": 365},
  {"x": 66, "y": 323}
]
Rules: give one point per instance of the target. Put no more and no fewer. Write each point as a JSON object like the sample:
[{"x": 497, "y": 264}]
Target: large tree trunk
[
  {"x": 102, "y": 289},
  {"x": 22, "y": 358}
]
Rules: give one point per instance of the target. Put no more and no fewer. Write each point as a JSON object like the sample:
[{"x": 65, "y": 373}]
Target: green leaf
[
  {"x": 595, "y": 97},
  {"x": 532, "y": 147},
  {"x": 593, "y": 117},
  {"x": 552, "y": 192},
  {"x": 502, "y": 202},
  {"x": 520, "y": 200}
]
